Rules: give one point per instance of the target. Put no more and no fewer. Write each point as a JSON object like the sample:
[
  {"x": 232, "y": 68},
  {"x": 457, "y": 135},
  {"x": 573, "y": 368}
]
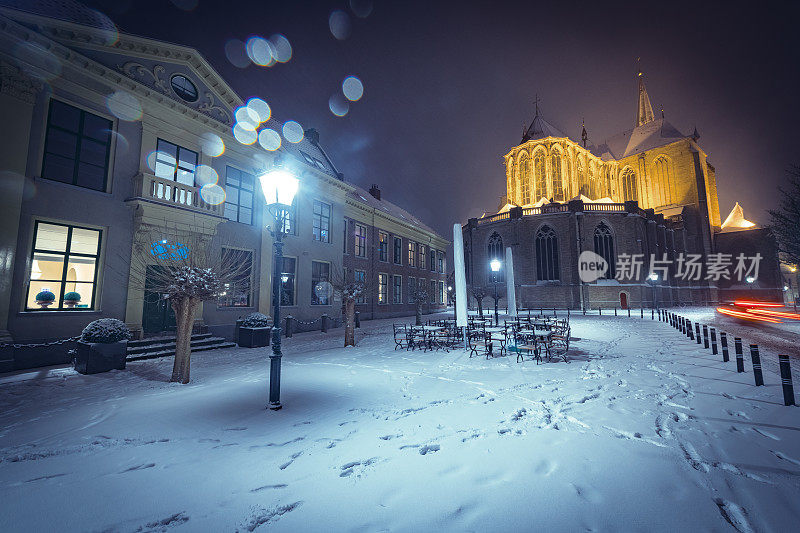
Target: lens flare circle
[
  {"x": 260, "y": 51},
  {"x": 361, "y": 8},
  {"x": 236, "y": 53},
  {"x": 205, "y": 175},
  {"x": 247, "y": 118},
  {"x": 282, "y": 48},
  {"x": 124, "y": 106},
  {"x": 352, "y": 88},
  {"x": 211, "y": 144},
  {"x": 269, "y": 139},
  {"x": 212, "y": 194},
  {"x": 293, "y": 131},
  {"x": 243, "y": 135},
  {"x": 338, "y": 105},
  {"x": 260, "y": 108},
  {"x": 339, "y": 24}
]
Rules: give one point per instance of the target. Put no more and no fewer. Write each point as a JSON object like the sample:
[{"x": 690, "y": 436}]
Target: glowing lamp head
[
  {"x": 279, "y": 187},
  {"x": 653, "y": 276},
  {"x": 750, "y": 279},
  {"x": 495, "y": 265},
  {"x": 449, "y": 288}
]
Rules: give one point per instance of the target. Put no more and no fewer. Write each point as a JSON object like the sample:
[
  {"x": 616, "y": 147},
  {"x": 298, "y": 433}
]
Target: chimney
[{"x": 375, "y": 191}]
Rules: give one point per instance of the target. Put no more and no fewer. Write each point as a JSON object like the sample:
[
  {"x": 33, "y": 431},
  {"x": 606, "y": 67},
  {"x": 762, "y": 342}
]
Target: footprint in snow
[
  {"x": 734, "y": 514},
  {"x": 349, "y": 468},
  {"x": 740, "y": 414},
  {"x": 265, "y": 487},
  {"x": 783, "y": 456},
  {"x": 766, "y": 434},
  {"x": 588, "y": 494},
  {"x": 138, "y": 467},
  {"x": 429, "y": 448}
]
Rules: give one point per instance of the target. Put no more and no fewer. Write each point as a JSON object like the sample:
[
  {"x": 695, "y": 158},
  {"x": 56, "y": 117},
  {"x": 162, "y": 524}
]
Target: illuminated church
[{"x": 649, "y": 190}]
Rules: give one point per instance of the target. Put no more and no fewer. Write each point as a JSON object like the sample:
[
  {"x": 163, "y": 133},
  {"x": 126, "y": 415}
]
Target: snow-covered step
[
  {"x": 166, "y": 343},
  {"x": 167, "y": 350},
  {"x": 162, "y": 340}
]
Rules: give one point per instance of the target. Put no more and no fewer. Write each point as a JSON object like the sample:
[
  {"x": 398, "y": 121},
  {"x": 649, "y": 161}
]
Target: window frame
[
  {"x": 78, "y": 145},
  {"x": 178, "y": 149},
  {"x": 360, "y": 233},
  {"x": 397, "y": 289},
  {"x": 239, "y": 189},
  {"x": 360, "y": 276},
  {"x": 412, "y": 254},
  {"x": 317, "y": 230},
  {"x": 250, "y": 298},
  {"x": 545, "y": 244},
  {"x": 65, "y": 269},
  {"x": 383, "y": 247},
  {"x": 294, "y": 281},
  {"x": 397, "y": 252},
  {"x": 422, "y": 255},
  {"x": 412, "y": 287},
  {"x": 313, "y": 283},
  {"x": 383, "y": 288}
]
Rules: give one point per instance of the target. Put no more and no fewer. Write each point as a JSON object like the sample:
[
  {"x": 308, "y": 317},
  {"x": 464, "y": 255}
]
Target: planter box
[
  {"x": 254, "y": 337},
  {"x": 96, "y": 357}
]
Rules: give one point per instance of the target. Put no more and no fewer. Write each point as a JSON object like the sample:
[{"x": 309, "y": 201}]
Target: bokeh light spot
[
  {"x": 205, "y": 175},
  {"x": 352, "y": 88},
  {"x": 293, "y": 131},
  {"x": 339, "y": 24},
  {"x": 361, "y": 8},
  {"x": 236, "y": 53},
  {"x": 260, "y": 51},
  {"x": 244, "y": 136},
  {"x": 269, "y": 139},
  {"x": 212, "y": 194},
  {"x": 247, "y": 118},
  {"x": 281, "y": 48},
  {"x": 212, "y": 144},
  {"x": 37, "y": 62},
  {"x": 124, "y": 106},
  {"x": 338, "y": 105},
  {"x": 260, "y": 108}
]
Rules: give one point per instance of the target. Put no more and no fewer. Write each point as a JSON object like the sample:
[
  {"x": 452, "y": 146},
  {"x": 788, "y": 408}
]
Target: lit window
[
  {"x": 288, "y": 280},
  {"x": 383, "y": 247},
  {"x": 77, "y": 147},
  {"x": 63, "y": 267},
  {"x": 412, "y": 254},
  {"x": 383, "y": 288},
  {"x": 320, "y": 282}
]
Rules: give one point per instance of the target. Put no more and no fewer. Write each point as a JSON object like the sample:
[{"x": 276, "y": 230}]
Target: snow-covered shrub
[
  {"x": 45, "y": 296},
  {"x": 106, "y": 330},
  {"x": 193, "y": 282},
  {"x": 256, "y": 320}
]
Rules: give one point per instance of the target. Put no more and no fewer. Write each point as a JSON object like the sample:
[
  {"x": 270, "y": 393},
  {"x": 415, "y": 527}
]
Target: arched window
[
  {"x": 594, "y": 188},
  {"x": 581, "y": 177},
  {"x": 604, "y": 247},
  {"x": 663, "y": 181},
  {"x": 607, "y": 182},
  {"x": 512, "y": 183},
  {"x": 541, "y": 180},
  {"x": 629, "y": 184},
  {"x": 556, "y": 178},
  {"x": 495, "y": 252},
  {"x": 547, "y": 255},
  {"x": 524, "y": 180}
]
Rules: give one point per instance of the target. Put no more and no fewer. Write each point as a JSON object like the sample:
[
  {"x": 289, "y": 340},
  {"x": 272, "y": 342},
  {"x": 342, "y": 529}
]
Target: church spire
[{"x": 644, "y": 111}]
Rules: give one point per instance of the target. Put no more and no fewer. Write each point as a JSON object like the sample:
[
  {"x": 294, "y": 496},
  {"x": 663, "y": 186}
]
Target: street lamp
[
  {"x": 279, "y": 187},
  {"x": 495, "y": 266},
  {"x": 652, "y": 279}
]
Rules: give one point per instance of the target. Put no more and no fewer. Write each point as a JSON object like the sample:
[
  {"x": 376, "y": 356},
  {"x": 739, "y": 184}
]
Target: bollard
[
  {"x": 288, "y": 326},
  {"x": 705, "y": 336},
  {"x": 697, "y": 333},
  {"x": 714, "y": 341},
  {"x": 601, "y": 310},
  {"x": 324, "y": 323},
  {"x": 683, "y": 325},
  {"x": 629, "y": 312},
  {"x": 652, "y": 315},
  {"x": 688, "y": 331},
  {"x": 641, "y": 312},
  {"x": 358, "y": 319},
  {"x": 584, "y": 311},
  {"x": 723, "y": 338},
  {"x": 737, "y": 345},
  {"x": 554, "y": 311},
  {"x": 759, "y": 377},
  {"x": 786, "y": 380},
  {"x": 567, "y": 312}
]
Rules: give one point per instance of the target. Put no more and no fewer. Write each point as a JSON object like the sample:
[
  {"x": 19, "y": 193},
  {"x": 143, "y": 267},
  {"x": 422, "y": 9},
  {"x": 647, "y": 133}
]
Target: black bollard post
[
  {"x": 652, "y": 315},
  {"x": 737, "y": 345},
  {"x": 641, "y": 312},
  {"x": 697, "y": 336},
  {"x": 629, "y": 312},
  {"x": 714, "y": 341},
  {"x": 705, "y": 336},
  {"x": 689, "y": 329},
  {"x": 600, "y": 309},
  {"x": 584, "y": 311},
  {"x": 324, "y": 320},
  {"x": 754, "y": 355},
  {"x": 288, "y": 326},
  {"x": 786, "y": 380},
  {"x": 683, "y": 325},
  {"x": 723, "y": 338},
  {"x": 554, "y": 311},
  {"x": 567, "y": 312},
  {"x": 358, "y": 319}
]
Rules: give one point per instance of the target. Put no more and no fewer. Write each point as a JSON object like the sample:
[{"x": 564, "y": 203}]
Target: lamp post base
[{"x": 274, "y": 406}]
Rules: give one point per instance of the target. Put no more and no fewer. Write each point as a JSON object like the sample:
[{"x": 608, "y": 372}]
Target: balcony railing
[{"x": 174, "y": 193}]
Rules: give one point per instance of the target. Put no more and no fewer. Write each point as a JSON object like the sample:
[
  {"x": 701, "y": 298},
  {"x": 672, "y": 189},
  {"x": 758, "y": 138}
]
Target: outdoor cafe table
[{"x": 430, "y": 339}]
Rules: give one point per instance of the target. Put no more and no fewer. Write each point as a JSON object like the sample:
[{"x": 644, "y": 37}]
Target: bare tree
[
  {"x": 419, "y": 295},
  {"x": 350, "y": 291},
  {"x": 479, "y": 293},
  {"x": 178, "y": 263},
  {"x": 785, "y": 221}
]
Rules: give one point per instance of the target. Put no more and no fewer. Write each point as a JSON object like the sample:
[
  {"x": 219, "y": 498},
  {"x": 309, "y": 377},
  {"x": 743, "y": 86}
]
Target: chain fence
[{"x": 17, "y": 346}]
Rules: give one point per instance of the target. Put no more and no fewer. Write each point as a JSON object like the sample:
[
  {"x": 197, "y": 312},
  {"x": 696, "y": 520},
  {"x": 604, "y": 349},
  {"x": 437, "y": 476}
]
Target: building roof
[
  {"x": 540, "y": 129},
  {"x": 736, "y": 220},
  {"x": 363, "y": 196},
  {"x": 657, "y": 132},
  {"x": 66, "y": 10}
]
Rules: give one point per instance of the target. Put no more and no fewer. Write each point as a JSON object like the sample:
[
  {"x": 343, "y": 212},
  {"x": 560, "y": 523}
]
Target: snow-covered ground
[{"x": 642, "y": 430}]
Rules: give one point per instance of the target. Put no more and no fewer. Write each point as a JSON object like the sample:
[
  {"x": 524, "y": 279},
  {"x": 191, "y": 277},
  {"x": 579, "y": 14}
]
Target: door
[
  {"x": 623, "y": 300},
  {"x": 157, "y": 313}
]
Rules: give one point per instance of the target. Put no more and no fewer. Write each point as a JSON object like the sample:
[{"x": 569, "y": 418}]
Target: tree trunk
[
  {"x": 184, "y": 317},
  {"x": 418, "y": 308},
  {"x": 480, "y": 307},
  {"x": 350, "y": 322}
]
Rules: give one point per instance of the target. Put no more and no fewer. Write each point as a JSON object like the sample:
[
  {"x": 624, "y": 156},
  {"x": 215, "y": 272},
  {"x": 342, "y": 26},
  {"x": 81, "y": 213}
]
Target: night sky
[{"x": 448, "y": 86}]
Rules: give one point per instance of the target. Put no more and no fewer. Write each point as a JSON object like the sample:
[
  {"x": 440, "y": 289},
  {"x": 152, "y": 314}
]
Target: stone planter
[
  {"x": 96, "y": 357},
  {"x": 71, "y": 303},
  {"x": 254, "y": 337},
  {"x": 44, "y": 304}
]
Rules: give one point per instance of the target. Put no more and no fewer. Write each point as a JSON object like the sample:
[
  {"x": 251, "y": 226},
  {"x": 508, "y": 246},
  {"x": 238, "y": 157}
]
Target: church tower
[{"x": 644, "y": 111}]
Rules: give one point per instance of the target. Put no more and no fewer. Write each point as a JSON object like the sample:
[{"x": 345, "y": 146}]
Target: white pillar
[
  {"x": 461, "y": 276},
  {"x": 511, "y": 296}
]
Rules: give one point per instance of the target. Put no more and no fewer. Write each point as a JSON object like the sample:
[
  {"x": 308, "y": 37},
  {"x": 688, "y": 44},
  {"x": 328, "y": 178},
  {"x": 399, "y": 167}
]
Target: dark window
[
  {"x": 76, "y": 148},
  {"x": 432, "y": 292},
  {"x": 398, "y": 251},
  {"x": 398, "y": 289},
  {"x": 432, "y": 262},
  {"x": 383, "y": 247},
  {"x": 238, "y": 195},
  {"x": 360, "y": 276},
  {"x": 547, "y": 255},
  {"x": 322, "y": 221},
  {"x": 184, "y": 88},
  {"x": 412, "y": 289},
  {"x": 344, "y": 237},
  {"x": 361, "y": 240},
  {"x": 604, "y": 247},
  {"x": 320, "y": 282},
  {"x": 288, "y": 280},
  {"x": 412, "y": 254},
  {"x": 236, "y": 293},
  {"x": 441, "y": 262},
  {"x": 175, "y": 162},
  {"x": 495, "y": 253},
  {"x": 421, "y": 256},
  {"x": 63, "y": 261}
]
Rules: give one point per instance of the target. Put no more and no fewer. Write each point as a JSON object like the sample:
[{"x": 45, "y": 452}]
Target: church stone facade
[{"x": 649, "y": 191}]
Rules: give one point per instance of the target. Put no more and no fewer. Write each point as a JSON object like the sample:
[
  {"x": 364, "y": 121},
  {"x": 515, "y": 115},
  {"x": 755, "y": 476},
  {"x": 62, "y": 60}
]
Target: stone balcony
[{"x": 162, "y": 191}]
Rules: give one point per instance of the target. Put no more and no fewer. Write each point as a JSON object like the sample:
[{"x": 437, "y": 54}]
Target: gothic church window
[
  {"x": 663, "y": 181},
  {"x": 524, "y": 181},
  {"x": 604, "y": 247},
  {"x": 547, "y": 255},
  {"x": 629, "y": 184},
  {"x": 541, "y": 181},
  {"x": 556, "y": 178}
]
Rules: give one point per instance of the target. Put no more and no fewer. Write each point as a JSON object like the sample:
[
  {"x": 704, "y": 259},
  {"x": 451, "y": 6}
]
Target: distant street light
[
  {"x": 652, "y": 279},
  {"x": 279, "y": 187},
  {"x": 495, "y": 266}
]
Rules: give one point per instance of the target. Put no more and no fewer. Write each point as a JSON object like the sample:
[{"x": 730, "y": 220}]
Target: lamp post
[
  {"x": 495, "y": 265},
  {"x": 750, "y": 280},
  {"x": 279, "y": 187},
  {"x": 652, "y": 279}
]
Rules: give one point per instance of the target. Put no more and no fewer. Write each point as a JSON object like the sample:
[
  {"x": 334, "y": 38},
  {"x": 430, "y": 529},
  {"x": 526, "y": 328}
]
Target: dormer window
[{"x": 184, "y": 88}]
